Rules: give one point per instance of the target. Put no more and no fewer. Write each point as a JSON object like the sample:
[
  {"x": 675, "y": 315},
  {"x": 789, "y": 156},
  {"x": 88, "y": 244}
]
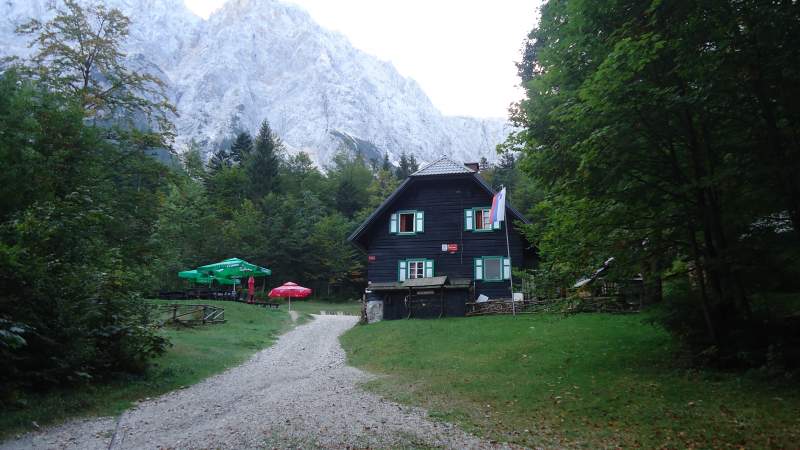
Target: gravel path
[{"x": 298, "y": 393}]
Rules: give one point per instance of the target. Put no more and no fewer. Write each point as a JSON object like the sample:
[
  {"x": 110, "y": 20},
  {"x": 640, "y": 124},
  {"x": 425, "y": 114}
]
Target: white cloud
[{"x": 462, "y": 52}]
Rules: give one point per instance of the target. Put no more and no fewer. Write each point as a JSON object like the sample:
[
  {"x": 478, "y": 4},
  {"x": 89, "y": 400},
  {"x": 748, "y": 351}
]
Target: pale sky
[{"x": 461, "y": 52}]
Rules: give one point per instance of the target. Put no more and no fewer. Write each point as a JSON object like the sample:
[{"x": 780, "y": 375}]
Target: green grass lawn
[
  {"x": 197, "y": 353},
  {"x": 584, "y": 381}
]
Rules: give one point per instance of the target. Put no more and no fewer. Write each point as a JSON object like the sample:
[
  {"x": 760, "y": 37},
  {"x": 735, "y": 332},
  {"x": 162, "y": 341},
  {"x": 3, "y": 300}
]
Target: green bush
[
  {"x": 70, "y": 262},
  {"x": 769, "y": 338}
]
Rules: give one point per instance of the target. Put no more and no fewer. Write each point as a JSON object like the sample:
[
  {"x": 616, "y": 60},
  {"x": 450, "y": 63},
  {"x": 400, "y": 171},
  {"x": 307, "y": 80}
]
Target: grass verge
[
  {"x": 595, "y": 381},
  {"x": 196, "y": 354}
]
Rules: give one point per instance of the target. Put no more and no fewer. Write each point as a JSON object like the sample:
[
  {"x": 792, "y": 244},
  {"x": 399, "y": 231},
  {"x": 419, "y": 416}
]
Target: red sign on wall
[
  {"x": 452, "y": 248},
  {"x": 371, "y": 258}
]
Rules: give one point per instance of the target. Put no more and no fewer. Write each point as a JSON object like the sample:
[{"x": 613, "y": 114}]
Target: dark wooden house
[{"x": 431, "y": 247}]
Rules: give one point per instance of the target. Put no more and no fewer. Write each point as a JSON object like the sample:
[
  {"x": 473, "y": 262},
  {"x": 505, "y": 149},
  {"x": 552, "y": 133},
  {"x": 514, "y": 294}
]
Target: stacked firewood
[
  {"x": 504, "y": 306},
  {"x": 570, "y": 305}
]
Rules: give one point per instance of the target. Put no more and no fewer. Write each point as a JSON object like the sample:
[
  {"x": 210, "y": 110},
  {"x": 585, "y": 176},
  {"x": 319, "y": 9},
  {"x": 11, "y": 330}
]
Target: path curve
[{"x": 298, "y": 393}]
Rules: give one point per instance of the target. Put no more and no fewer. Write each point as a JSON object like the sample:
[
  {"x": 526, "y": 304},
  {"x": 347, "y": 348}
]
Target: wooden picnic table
[{"x": 266, "y": 304}]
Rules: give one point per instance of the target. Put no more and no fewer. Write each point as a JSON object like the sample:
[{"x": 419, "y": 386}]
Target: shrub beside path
[{"x": 298, "y": 393}]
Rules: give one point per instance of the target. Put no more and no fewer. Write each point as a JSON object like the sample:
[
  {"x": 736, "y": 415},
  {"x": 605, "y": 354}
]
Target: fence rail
[{"x": 191, "y": 314}]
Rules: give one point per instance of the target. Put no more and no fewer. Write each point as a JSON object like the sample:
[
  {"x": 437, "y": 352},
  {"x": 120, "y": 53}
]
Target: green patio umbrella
[
  {"x": 189, "y": 274},
  {"x": 234, "y": 268},
  {"x": 195, "y": 276},
  {"x": 228, "y": 281}
]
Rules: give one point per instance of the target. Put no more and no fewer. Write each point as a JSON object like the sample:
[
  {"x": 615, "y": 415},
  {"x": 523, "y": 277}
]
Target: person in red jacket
[{"x": 251, "y": 289}]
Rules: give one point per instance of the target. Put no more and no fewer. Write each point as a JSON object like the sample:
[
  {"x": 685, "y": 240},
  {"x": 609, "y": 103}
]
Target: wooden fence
[{"x": 191, "y": 314}]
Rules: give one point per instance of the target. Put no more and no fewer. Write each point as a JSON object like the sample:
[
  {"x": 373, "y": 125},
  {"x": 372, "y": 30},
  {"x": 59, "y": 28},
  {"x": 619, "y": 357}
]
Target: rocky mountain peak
[{"x": 266, "y": 59}]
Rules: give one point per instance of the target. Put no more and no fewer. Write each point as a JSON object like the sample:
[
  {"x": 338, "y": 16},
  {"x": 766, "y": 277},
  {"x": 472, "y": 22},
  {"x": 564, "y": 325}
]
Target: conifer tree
[
  {"x": 241, "y": 147},
  {"x": 403, "y": 167},
  {"x": 386, "y": 165},
  {"x": 413, "y": 166},
  {"x": 220, "y": 159},
  {"x": 505, "y": 173},
  {"x": 262, "y": 164}
]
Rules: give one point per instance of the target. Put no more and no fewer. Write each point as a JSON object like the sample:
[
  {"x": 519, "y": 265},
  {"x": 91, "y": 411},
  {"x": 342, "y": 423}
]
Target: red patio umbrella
[{"x": 290, "y": 290}]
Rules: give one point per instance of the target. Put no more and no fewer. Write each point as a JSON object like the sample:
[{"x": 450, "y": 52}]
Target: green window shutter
[
  {"x": 420, "y": 216},
  {"x": 506, "y": 269},
  {"x": 428, "y": 268},
  {"x": 393, "y": 224},
  {"x": 468, "y": 219},
  {"x": 401, "y": 271},
  {"x": 478, "y": 268}
]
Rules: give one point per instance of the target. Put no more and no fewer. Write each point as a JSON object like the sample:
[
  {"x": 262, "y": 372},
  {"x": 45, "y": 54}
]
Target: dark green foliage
[
  {"x": 262, "y": 165},
  {"x": 350, "y": 177},
  {"x": 505, "y": 173},
  {"x": 299, "y": 231},
  {"x": 220, "y": 159},
  {"x": 68, "y": 268},
  {"x": 413, "y": 166},
  {"x": 192, "y": 160},
  {"x": 242, "y": 147},
  {"x": 385, "y": 164},
  {"x": 662, "y": 132},
  {"x": 298, "y": 173},
  {"x": 406, "y": 166}
]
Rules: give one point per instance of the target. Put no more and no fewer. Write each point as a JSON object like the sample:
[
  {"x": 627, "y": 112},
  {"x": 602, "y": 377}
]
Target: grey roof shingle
[{"x": 441, "y": 166}]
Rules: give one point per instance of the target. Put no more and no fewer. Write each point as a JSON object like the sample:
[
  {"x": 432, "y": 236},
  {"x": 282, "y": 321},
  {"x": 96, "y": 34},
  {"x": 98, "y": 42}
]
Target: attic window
[
  {"x": 483, "y": 219},
  {"x": 479, "y": 219},
  {"x": 407, "y": 222}
]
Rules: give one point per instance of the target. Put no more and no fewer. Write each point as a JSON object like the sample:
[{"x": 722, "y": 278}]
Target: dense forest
[{"x": 665, "y": 135}]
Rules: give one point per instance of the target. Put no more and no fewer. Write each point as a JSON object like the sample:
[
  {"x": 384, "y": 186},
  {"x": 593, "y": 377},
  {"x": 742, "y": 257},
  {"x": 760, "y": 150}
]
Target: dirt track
[{"x": 298, "y": 393}]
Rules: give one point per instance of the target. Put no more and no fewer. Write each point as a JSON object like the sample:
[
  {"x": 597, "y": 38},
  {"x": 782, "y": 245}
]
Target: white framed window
[
  {"x": 407, "y": 222},
  {"x": 408, "y": 269},
  {"x": 416, "y": 269},
  {"x": 482, "y": 219},
  {"x": 479, "y": 220}
]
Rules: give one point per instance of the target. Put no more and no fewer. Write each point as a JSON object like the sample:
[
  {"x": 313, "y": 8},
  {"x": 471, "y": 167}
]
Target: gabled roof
[{"x": 441, "y": 166}]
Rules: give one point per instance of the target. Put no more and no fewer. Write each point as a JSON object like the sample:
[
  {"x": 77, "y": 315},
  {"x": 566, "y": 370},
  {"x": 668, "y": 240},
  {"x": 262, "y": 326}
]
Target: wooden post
[{"x": 441, "y": 296}]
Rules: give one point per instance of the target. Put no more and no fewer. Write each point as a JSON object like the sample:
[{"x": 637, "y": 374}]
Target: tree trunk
[
  {"x": 717, "y": 266},
  {"x": 700, "y": 273},
  {"x": 652, "y": 283}
]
